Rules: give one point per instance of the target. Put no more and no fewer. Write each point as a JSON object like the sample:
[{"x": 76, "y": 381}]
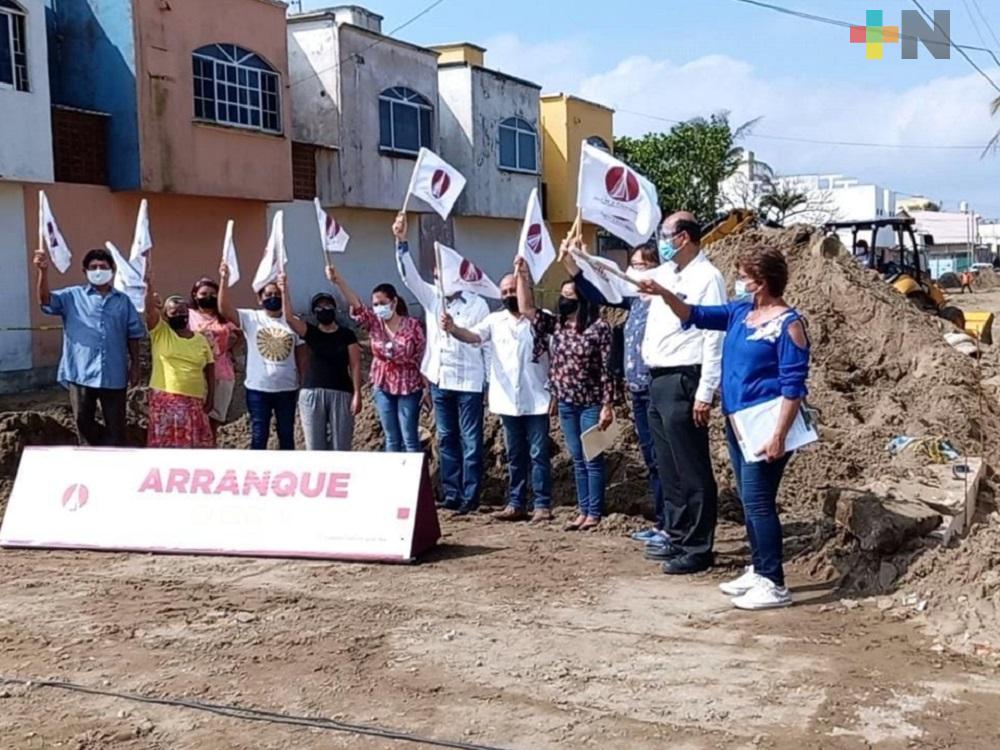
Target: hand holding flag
[
  {"x": 456, "y": 274},
  {"x": 50, "y": 236},
  {"x": 612, "y": 195},
  {"x": 333, "y": 236},
  {"x": 275, "y": 255}
]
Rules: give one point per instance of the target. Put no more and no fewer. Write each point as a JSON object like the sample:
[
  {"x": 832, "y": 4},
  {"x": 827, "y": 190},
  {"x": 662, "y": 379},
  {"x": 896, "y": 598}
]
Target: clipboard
[{"x": 596, "y": 441}]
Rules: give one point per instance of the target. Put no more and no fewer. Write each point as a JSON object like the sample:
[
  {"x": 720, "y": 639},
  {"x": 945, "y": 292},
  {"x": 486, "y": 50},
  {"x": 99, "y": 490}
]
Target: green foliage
[
  {"x": 782, "y": 203},
  {"x": 688, "y": 164}
]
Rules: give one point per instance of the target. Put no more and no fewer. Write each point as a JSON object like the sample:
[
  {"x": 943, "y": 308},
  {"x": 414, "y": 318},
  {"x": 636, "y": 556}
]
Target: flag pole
[
  {"x": 440, "y": 274},
  {"x": 41, "y": 221}
]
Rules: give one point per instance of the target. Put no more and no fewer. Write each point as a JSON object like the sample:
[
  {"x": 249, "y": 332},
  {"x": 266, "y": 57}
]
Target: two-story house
[{"x": 25, "y": 158}]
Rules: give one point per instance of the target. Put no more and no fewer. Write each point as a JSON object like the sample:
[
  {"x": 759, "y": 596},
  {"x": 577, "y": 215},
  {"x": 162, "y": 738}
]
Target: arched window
[
  {"x": 13, "y": 49},
  {"x": 518, "y": 145},
  {"x": 404, "y": 118},
  {"x": 598, "y": 142},
  {"x": 235, "y": 86}
]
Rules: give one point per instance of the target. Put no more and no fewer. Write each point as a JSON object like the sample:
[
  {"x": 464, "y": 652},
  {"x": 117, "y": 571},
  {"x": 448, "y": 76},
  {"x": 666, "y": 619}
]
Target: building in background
[
  {"x": 25, "y": 158},
  {"x": 989, "y": 239},
  {"x": 950, "y": 238}
]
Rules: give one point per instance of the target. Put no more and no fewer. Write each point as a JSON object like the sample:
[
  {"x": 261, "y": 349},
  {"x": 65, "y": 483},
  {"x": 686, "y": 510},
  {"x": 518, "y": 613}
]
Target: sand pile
[{"x": 987, "y": 279}]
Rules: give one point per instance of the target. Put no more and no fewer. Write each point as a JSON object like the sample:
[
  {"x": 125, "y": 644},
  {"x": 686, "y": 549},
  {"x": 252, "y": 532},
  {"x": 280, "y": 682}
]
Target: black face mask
[
  {"x": 511, "y": 304},
  {"x": 178, "y": 322},
  {"x": 568, "y": 306},
  {"x": 326, "y": 316},
  {"x": 208, "y": 303},
  {"x": 272, "y": 304}
]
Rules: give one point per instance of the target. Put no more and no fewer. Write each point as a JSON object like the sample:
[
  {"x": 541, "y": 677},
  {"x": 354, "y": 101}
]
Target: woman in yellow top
[{"x": 181, "y": 389}]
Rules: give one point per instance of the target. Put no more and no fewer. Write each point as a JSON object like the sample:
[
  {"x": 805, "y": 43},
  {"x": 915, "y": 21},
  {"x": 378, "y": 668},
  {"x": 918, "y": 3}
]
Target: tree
[
  {"x": 782, "y": 202},
  {"x": 994, "y": 143},
  {"x": 688, "y": 164}
]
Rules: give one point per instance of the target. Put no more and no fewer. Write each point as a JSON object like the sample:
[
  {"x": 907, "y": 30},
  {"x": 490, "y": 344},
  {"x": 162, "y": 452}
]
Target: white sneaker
[
  {"x": 742, "y": 584},
  {"x": 764, "y": 595}
]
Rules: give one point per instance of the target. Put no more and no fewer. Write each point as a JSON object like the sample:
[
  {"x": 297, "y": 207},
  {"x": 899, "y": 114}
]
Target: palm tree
[
  {"x": 782, "y": 203},
  {"x": 995, "y": 140}
]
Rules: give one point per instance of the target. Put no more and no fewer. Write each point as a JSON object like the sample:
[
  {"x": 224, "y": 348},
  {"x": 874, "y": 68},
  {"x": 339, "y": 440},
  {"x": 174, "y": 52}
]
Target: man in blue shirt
[{"x": 101, "y": 334}]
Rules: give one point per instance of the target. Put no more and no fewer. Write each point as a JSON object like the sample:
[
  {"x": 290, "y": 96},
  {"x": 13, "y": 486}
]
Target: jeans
[
  {"x": 640, "y": 412},
  {"x": 327, "y": 421},
  {"x": 400, "y": 418},
  {"x": 589, "y": 475},
  {"x": 261, "y": 404},
  {"x": 527, "y": 440},
  {"x": 459, "y": 418},
  {"x": 84, "y": 401},
  {"x": 757, "y": 485},
  {"x": 690, "y": 495}
]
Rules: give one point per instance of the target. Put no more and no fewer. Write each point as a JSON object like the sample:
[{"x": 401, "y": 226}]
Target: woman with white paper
[{"x": 765, "y": 358}]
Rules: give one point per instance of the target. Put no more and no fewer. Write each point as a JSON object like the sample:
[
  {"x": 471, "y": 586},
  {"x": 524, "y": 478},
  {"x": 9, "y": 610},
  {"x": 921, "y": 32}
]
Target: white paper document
[
  {"x": 755, "y": 426},
  {"x": 596, "y": 441}
]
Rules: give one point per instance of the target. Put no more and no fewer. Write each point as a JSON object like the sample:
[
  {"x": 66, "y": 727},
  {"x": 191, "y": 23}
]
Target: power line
[
  {"x": 380, "y": 40},
  {"x": 960, "y": 49},
  {"x": 972, "y": 20},
  {"x": 986, "y": 22}
]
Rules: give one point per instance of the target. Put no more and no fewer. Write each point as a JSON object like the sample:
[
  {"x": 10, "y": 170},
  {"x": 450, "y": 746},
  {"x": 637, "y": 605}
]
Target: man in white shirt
[
  {"x": 686, "y": 368},
  {"x": 518, "y": 394},
  {"x": 457, "y": 374}
]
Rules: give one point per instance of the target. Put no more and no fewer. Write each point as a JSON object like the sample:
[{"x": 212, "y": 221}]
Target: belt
[{"x": 679, "y": 370}]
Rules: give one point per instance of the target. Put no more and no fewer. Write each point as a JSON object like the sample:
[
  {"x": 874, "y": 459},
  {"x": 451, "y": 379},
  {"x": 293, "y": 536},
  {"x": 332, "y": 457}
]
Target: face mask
[
  {"x": 568, "y": 306},
  {"x": 742, "y": 291},
  {"x": 100, "y": 276},
  {"x": 326, "y": 316},
  {"x": 208, "y": 303},
  {"x": 272, "y": 304},
  {"x": 384, "y": 312},
  {"x": 511, "y": 304},
  {"x": 668, "y": 251},
  {"x": 178, "y": 322}
]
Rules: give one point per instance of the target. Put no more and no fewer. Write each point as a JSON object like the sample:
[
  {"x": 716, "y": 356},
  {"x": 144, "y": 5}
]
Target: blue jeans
[
  {"x": 757, "y": 484},
  {"x": 261, "y": 405},
  {"x": 640, "y": 411},
  {"x": 589, "y": 475},
  {"x": 527, "y": 441},
  {"x": 400, "y": 418},
  {"x": 459, "y": 418}
]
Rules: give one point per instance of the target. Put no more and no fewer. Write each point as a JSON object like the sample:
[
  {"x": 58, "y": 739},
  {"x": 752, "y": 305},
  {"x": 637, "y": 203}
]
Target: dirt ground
[{"x": 509, "y": 637}]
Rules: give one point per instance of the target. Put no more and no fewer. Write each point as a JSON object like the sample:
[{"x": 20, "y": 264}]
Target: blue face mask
[
  {"x": 740, "y": 290},
  {"x": 668, "y": 251}
]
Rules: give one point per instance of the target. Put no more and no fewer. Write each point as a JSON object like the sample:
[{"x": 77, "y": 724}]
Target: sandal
[
  {"x": 590, "y": 523},
  {"x": 576, "y": 524}
]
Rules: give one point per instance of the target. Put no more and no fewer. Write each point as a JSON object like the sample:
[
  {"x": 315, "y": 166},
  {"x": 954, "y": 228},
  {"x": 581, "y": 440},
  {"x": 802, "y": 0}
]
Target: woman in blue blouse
[{"x": 765, "y": 357}]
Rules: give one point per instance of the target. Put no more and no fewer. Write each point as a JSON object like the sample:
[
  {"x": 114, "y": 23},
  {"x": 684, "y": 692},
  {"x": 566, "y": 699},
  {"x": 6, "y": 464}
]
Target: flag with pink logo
[
  {"x": 49, "y": 234},
  {"x": 129, "y": 280},
  {"x": 613, "y": 195},
  {"x": 275, "y": 255},
  {"x": 333, "y": 235},
  {"x": 435, "y": 182},
  {"x": 459, "y": 274},
  {"x": 536, "y": 243},
  {"x": 142, "y": 240}
]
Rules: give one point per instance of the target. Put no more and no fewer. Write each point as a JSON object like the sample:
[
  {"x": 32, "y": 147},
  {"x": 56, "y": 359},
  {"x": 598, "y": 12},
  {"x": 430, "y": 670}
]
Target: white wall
[
  {"x": 25, "y": 116},
  {"x": 313, "y": 57},
  {"x": 15, "y": 290}
]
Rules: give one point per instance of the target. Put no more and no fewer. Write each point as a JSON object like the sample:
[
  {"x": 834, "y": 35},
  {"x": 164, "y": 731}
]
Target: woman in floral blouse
[
  {"x": 579, "y": 347},
  {"x": 397, "y": 343}
]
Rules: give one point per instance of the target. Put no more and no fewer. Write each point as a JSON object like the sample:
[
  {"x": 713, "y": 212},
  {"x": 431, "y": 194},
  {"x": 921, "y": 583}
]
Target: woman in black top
[{"x": 330, "y": 397}]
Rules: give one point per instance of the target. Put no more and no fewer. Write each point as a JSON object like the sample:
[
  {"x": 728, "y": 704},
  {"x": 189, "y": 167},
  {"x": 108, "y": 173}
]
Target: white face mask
[
  {"x": 100, "y": 276},
  {"x": 384, "y": 312}
]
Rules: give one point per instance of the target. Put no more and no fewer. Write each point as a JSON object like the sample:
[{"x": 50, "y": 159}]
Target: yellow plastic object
[
  {"x": 906, "y": 286},
  {"x": 738, "y": 218},
  {"x": 937, "y": 296},
  {"x": 980, "y": 325}
]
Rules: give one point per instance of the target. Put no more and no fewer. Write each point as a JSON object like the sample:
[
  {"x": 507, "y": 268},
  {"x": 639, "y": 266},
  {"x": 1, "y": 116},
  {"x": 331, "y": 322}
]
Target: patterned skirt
[{"x": 177, "y": 421}]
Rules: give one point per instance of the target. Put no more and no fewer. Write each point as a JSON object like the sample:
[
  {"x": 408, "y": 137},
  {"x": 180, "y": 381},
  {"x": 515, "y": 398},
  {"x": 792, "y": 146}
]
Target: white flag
[
  {"x": 536, "y": 243},
  {"x": 142, "y": 242},
  {"x": 229, "y": 254},
  {"x": 128, "y": 280},
  {"x": 614, "y": 196},
  {"x": 461, "y": 275},
  {"x": 436, "y": 182},
  {"x": 605, "y": 275},
  {"x": 334, "y": 236},
  {"x": 275, "y": 257},
  {"x": 59, "y": 251}
]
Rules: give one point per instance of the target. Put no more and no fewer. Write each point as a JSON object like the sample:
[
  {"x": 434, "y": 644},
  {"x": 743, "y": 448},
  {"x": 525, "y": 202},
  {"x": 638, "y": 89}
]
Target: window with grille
[
  {"x": 518, "y": 145},
  {"x": 13, "y": 47},
  {"x": 234, "y": 86},
  {"x": 405, "y": 119}
]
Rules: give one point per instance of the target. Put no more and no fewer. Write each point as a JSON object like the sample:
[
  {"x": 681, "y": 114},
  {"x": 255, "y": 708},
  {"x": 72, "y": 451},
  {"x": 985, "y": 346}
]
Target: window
[
  {"x": 234, "y": 86},
  {"x": 404, "y": 118},
  {"x": 13, "y": 52},
  {"x": 597, "y": 142},
  {"x": 518, "y": 145}
]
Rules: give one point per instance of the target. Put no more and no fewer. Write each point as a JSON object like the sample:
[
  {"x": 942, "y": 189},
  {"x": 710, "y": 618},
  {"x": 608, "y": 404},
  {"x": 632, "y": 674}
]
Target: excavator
[{"x": 903, "y": 267}]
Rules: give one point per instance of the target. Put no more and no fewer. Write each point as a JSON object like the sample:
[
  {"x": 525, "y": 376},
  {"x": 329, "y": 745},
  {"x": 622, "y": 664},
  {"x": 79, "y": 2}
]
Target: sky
[{"x": 655, "y": 61}]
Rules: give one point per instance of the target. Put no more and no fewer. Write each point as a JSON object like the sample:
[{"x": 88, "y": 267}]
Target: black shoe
[
  {"x": 666, "y": 551},
  {"x": 685, "y": 564},
  {"x": 466, "y": 509}
]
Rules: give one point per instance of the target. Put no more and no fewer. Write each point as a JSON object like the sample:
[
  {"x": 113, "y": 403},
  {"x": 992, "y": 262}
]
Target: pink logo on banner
[
  {"x": 332, "y": 227},
  {"x": 469, "y": 272},
  {"x": 622, "y": 184},
  {"x": 534, "y": 240},
  {"x": 53, "y": 241},
  {"x": 75, "y": 497},
  {"x": 440, "y": 183}
]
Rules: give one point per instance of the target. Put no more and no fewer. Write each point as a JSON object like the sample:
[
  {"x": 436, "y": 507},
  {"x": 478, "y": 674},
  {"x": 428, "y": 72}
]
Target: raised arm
[
  {"x": 42, "y": 291},
  {"x": 226, "y": 310},
  {"x": 680, "y": 308},
  {"x": 525, "y": 296},
  {"x": 152, "y": 307},
  {"x": 295, "y": 323},
  {"x": 334, "y": 277},
  {"x": 425, "y": 293}
]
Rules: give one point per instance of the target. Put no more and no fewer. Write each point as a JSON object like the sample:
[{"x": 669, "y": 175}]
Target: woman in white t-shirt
[{"x": 273, "y": 350}]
